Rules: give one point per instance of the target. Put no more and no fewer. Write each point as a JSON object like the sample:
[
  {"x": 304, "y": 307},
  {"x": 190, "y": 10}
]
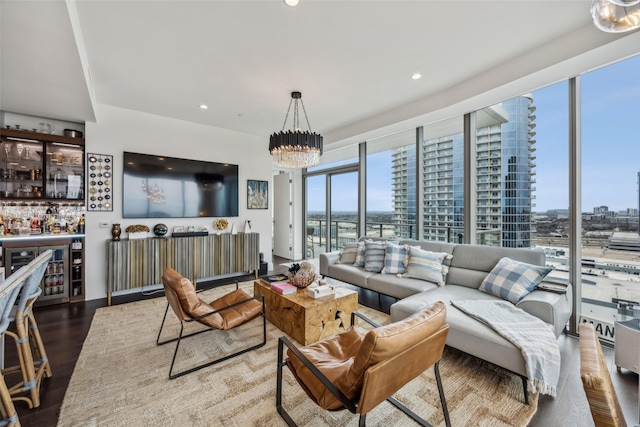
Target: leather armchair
[
  {"x": 358, "y": 372},
  {"x": 231, "y": 310}
]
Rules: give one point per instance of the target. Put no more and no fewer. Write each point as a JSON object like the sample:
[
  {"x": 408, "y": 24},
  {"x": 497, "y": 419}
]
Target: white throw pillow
[{"x": 426, "y": 265}]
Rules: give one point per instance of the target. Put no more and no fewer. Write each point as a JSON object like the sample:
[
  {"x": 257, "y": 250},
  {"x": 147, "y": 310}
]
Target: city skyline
[{"x": 610, "y": 148}]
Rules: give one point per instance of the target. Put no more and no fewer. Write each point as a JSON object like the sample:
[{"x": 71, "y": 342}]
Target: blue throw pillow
[
  {"x": 394, "y": 258},
  {"x": 359, "y": 262},
  {"x": 513, "y": 280}
]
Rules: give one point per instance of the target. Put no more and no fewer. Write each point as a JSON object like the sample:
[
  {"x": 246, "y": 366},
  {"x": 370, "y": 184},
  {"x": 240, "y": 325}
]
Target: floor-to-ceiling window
[
  {"x": 549, "y": 147},
  {"x": 520, "y": 184},
  {"x": 610, "y": 194},
  {"x": 391, "y": 186},
  {"x": 443, "y": 181}
]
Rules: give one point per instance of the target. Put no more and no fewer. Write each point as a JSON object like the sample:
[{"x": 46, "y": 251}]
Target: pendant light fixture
[
  {"x": 293, "y": 148},
  {"x": 616, "y": 16}
]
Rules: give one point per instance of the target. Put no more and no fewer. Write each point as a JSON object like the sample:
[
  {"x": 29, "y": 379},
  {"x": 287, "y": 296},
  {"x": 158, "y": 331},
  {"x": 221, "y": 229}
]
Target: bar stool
[
  {"x": 26, "y": 336},
  {"x": 8, "y": 294}
]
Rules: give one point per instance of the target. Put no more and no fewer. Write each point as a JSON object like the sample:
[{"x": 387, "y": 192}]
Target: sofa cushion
[
  {"x": 395, "y": 257},
  {"x": 348, "y": 253},
  {"x": 374, "y": 256},
  {"x": 350, "y": 274},
  {"x": 471, "y": 263},
  {"x": 426, "y": 265},
  {"x": 397, "y": 286},
  {"x": 466, "y": 333},
  {"x": 359, "y": 262},
  {"x": 512, "y": 280}
]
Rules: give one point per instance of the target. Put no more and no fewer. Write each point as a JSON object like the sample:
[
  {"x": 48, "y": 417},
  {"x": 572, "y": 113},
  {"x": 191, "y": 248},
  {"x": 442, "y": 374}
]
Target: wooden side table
[
  {"x": 305, "y": 319},
  {"x": 627, "y": 345}
]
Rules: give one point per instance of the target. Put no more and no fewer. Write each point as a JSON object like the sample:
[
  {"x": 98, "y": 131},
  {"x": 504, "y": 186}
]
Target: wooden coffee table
[{"x": 305, "y": 319}]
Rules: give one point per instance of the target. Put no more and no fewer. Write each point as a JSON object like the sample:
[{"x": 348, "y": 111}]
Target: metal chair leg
[
  {"x": 526, "y": 389},
  {"x": 443, "y": 401}
]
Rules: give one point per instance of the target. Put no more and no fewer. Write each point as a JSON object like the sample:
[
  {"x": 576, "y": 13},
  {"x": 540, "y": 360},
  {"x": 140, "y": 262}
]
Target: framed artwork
[
  {"x": 99, "y": 182},
  {"x": 257, "y": 194}
]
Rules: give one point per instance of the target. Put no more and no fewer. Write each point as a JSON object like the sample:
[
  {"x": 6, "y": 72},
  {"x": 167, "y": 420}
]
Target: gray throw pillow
[
  {"x": 348, "y": 254},
  {"x": 374, "y": 256}
]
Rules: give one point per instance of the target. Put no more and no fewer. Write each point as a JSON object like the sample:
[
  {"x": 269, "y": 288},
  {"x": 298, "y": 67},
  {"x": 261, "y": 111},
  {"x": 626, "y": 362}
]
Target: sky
[{"x": 610, "y": 131}]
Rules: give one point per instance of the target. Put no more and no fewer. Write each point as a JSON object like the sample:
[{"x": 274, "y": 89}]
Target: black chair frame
[
  {"x": 195, "y": 319},
  {"x": 348, "y": 404}
]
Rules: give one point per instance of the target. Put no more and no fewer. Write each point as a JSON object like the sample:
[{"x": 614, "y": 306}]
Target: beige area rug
[{"x": 121, "y": 379}]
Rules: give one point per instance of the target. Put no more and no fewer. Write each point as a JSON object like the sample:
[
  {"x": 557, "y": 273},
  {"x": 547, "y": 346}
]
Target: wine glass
[{"x": 20, "y": 149}]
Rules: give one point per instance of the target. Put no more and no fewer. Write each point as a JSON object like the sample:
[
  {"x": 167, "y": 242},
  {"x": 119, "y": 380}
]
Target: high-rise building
[{"x": 505, "y": 178}]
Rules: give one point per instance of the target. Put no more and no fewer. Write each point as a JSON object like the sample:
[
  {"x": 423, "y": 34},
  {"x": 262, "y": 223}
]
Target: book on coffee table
[
  {"x": 268, "y": 280},
  {"x": 283, "y": 288}
]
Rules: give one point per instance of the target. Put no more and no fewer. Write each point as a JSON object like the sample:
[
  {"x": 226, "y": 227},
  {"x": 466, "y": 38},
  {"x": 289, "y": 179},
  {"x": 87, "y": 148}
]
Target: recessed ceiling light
[
  {"x": 291, "y": 3},
  {"x": 416, "y": 76},
  {"x": 204, "y": 106}
]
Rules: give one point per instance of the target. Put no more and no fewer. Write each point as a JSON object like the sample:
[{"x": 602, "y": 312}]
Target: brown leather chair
[
  {"x": 226, "y": 312},
  {"x": 355, "y": 372},
  {"x": 602, "y": 397}
]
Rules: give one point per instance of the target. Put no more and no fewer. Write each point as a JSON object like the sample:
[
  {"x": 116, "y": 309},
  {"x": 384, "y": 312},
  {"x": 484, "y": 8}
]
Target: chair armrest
[
  {"x": 282, "y": 341},
  {"x": 327, "y": 259},
  {"x": 255, "y": 297}
]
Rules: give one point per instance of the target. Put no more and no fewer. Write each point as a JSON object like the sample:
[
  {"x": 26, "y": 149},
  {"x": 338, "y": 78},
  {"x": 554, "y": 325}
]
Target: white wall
[{"x": 119, "y": 130}]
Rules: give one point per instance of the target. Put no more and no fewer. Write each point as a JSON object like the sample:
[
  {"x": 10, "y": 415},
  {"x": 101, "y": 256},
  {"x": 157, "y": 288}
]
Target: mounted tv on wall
[{"x": 167, "y": 187}]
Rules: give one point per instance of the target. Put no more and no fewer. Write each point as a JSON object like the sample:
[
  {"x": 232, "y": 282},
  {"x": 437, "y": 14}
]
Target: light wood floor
[{"x": 64, "y": 328}]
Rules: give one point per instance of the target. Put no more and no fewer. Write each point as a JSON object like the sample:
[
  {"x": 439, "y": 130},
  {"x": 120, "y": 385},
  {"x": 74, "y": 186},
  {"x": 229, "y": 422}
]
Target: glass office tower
[{"x": 505, "y": 171}]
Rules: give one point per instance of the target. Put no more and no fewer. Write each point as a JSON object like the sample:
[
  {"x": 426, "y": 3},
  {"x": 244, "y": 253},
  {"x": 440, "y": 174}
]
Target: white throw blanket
[{"x": 528, "y": 333}]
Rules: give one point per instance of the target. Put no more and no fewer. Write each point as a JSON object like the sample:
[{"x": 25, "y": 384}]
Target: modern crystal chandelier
[
  {"x": 293, "y": 148},
  {"x": 616, "y": 16}
]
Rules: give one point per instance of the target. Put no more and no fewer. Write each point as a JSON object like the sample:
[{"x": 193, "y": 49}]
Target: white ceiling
[{"x": 352, "y": 60}]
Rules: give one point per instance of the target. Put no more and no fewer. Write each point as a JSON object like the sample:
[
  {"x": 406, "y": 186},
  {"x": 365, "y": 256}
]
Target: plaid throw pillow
[
  {"x": 426, "y": 265},
  {"x": 394, "y": 258},
  {"x": 513, "y": 280},
  {"x": 374, "y": 256},
  {"x": 348, "y": 254},
  {"x": 359, "y": 262}
]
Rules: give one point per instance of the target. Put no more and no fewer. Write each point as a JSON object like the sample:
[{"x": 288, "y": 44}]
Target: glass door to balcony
[
  {"x": 344, "y": 209},
  {"x": 331, "y": 210}
]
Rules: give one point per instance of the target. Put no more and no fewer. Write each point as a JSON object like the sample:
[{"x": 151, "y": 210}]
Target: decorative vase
[
  {"x": 115, "y": 232},
  {"x": 233, "y": 229}
]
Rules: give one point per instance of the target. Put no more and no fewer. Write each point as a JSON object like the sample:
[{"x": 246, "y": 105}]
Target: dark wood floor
[{"x": 64, "y": 328}]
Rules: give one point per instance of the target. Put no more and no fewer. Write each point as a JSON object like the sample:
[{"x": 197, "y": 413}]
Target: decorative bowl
[
  {"x": 302, "y": 279},
  {"x": 160, "y": 230}
]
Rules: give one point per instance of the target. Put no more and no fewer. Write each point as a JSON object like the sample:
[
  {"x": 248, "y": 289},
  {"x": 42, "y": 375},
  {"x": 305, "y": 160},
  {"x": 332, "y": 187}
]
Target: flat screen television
[{"x": 167, "y": 187}]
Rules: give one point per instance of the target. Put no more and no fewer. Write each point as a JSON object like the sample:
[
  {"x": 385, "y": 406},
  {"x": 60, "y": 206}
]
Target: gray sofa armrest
[
  {"x": 551, "y": 307},
  {"x": 327, "y": 259}
]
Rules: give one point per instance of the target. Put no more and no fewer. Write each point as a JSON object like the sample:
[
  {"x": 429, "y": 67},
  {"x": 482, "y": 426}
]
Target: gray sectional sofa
[{"x": 468, "y": 267}]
